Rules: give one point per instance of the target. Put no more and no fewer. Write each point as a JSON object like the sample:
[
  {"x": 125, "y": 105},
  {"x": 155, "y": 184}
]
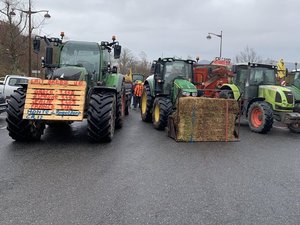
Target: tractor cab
[
  {"x": 172, "y": 77},
  {"x": 250, "y": 77}
]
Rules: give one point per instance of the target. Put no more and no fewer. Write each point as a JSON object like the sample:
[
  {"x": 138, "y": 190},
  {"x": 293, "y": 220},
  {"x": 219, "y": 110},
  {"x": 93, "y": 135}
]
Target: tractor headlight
[
  {"x": 185, "y": 93},
  {"x": 194, "y": 94}
]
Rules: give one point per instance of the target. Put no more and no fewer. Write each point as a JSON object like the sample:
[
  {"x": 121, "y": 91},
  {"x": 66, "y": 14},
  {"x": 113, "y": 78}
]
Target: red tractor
[{"x": 209, "y": 78}]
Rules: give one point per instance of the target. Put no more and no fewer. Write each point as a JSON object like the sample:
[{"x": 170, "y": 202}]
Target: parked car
[{"x": 12, "y": 83}]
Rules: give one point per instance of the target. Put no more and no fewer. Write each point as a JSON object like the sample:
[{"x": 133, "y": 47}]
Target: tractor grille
[{"x": 289, "y": 96}]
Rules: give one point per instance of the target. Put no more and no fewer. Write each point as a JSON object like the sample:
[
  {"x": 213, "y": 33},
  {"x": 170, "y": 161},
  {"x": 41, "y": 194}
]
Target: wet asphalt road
[{"x": 144, "y": 177}]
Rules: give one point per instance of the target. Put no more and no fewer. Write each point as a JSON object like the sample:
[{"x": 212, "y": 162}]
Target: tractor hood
[
  {"x": 185, "y": 85},
  {"x": 70, "y": 73},
  {"x": 273, "y": 88}
]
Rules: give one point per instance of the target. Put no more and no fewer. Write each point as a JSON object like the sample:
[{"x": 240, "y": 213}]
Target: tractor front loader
[
  {"x": 170, "y": 99},
  {"x": 80, "y": 86}
]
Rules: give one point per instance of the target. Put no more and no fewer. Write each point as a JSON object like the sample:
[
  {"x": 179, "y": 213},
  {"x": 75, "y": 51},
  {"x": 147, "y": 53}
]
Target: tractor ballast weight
[
  {"x": 169, "y": 92},
  {"x": 81, "y": 85},
  {"x": 262, "y": 101}
]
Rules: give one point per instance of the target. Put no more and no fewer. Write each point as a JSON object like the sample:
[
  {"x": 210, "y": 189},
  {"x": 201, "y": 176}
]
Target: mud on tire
[
  {"x": 101, "y": 117},
  {"x": 20, "y": 129}
]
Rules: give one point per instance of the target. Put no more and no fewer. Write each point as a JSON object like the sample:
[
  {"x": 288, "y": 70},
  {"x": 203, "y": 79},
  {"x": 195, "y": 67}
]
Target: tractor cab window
[
  {"x": 262, "y": 76},
  {"x": 81, "y": 54},
  {"x": 177, "y": 69}
]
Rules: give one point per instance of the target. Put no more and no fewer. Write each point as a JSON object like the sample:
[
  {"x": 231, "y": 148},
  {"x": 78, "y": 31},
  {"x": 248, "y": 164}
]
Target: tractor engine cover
[{"x": 68, "y": 73}]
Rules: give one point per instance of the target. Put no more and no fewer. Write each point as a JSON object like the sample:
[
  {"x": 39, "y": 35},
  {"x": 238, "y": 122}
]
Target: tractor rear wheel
[
  {"x": 260, "y": 117},
  {"x": 162, "y": 108},
  {"x": 146, "y": 104},
  {"x": 121, "y": 104},
  {"x": 19, "y": 128},
  {"x": 101, "y": 117},
  {"x": 294, "y": 127}
]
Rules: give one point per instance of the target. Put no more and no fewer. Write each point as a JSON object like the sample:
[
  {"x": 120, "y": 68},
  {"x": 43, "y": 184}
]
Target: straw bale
[{"x": 204, "y": 119}]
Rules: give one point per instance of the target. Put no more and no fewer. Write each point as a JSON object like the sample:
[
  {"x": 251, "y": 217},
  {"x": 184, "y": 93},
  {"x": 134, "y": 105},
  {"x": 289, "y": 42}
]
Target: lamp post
[
  {"x": 29, "y": 12},
  {"x": 218, "y": 35}
]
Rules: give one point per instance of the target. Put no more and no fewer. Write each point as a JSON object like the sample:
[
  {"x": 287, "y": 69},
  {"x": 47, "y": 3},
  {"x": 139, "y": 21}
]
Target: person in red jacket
[{"x": 137, "y": 94}]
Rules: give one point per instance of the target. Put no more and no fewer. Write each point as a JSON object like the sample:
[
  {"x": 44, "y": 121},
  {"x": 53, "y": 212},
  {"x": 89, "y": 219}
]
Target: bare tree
[
  {"x": 126, "y": 61},
  {"x": 11, "y": 38},
  {"x": 142, "y": 65},
  {"x": 248, "y": 55}
]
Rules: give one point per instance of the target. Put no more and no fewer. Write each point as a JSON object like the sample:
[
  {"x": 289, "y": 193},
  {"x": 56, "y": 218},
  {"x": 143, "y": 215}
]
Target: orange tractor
[{"x": 209, "y": 78}]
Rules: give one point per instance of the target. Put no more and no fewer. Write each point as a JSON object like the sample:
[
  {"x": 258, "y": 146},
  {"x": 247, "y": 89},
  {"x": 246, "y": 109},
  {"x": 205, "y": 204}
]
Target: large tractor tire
[
  {"x": 101, "y": 117},
  {"x": 121, "y": 105},
  {"x": 146, "y": 104},
  {"x": 162, "y": 108},
  {"x": 294, "y": 127},
  {"x": 260, "y": 117},
  {"x": 20, "y": 129}
]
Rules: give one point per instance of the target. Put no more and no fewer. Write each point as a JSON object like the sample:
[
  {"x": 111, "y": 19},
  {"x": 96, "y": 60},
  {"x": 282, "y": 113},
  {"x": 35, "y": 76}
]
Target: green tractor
[
  {"x": 104, "y": 97},
  {"x": 171, "y": 80},
  {"x": 262, "y": 101}
]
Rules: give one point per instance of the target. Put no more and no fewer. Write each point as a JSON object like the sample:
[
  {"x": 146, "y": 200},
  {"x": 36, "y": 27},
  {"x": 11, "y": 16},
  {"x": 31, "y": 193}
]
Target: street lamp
[
  {"x": 218, "y": 35},
  {"x": 29, "y": 12}
]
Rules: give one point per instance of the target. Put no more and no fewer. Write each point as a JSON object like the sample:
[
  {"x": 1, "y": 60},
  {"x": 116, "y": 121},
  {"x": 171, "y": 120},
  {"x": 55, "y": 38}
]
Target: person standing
[{"x": 138, "y": 90}]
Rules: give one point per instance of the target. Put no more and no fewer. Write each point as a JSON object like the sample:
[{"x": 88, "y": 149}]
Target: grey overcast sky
[{"x": 179, "y": 28}]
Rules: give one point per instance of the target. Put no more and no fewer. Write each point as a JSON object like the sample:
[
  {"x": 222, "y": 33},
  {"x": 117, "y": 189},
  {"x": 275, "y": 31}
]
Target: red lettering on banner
[
  {"x": 36, "y": 106},
  {"x": 36, "y": 81},
  {"x": 38, "y": 96},
  {"x": 66, "y": 92},
  {"x": 42, "y": 101},
  {"x": 66, "y": 107},
  {"x": 67, "y": 102},
  {"x": 43, "y": 91},
  {"x": 68, "y": 97}
]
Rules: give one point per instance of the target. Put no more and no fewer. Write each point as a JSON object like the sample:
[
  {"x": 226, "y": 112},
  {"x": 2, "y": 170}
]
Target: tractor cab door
[
  {"x": 158, "y": 78},
  {"x": 254, "y": 79}
]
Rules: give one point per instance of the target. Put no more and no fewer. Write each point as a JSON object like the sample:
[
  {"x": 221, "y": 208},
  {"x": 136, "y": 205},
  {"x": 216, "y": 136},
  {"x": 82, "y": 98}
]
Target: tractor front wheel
[
  {"x": 101, "y": 117},
  {"x": 162, "y": 108},
  {"x": 294, "y": 127},
  {"x": 260, "y": 117},
  {"x": 146, "y": 104},
  {"x": 22, "y": 129}
]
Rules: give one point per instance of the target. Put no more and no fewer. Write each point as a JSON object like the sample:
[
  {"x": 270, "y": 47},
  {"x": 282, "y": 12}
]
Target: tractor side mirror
[
  {"x": 49, "y": 56},
  {"x": 36, "y": 45},
  {"x": 117, "y": 51}
]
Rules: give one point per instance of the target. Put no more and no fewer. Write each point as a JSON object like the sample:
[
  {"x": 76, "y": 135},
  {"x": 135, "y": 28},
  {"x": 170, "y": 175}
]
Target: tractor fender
[
  {"x": 115, "y": 81},
  {"x": 235, "y": 90},
  {"x": 150, "y": 81}
]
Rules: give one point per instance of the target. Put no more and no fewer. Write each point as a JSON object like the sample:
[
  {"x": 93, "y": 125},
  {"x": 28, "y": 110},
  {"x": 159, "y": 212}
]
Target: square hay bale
[{"x": 205, "y": 119}]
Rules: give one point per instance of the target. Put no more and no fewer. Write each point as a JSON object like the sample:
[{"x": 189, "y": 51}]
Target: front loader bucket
[{"x": 204, "y": 119}]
